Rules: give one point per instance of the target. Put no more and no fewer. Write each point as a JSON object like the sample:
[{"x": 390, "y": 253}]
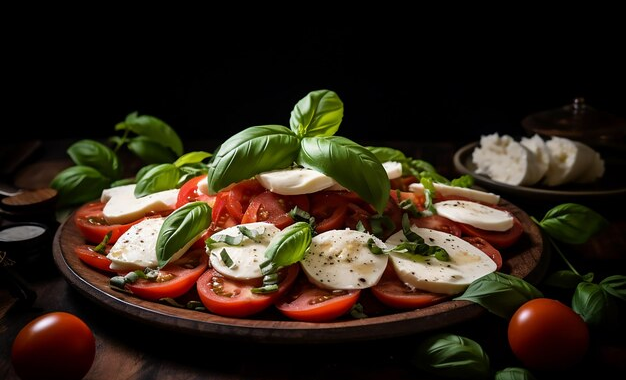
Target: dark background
[{"x": 447, "y": 81}]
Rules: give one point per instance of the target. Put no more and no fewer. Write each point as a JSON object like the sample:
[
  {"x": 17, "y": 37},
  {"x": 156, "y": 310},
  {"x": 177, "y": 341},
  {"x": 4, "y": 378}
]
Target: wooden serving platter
[{"x": 527, "y": 259}]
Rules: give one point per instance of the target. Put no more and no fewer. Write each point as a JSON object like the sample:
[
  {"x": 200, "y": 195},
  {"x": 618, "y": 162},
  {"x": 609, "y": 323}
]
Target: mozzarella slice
[
  {"x": 341, "y": 259},
  {"x": 475, "y": 214},
  {"x": 122, "y": 207},
  {"x": 294, "y": 181},
  {"x": 203, "y": 186},
  {"x": 136, "y": 248},
  {"x": 393, "y": 169},
  {"x": 247, "y": 256},
  {"x": 466, "y": 264},
  {"x": 505, "y": 160},
  {"x": 594, "y": 171},
  {"x": 446, "y": 191}
]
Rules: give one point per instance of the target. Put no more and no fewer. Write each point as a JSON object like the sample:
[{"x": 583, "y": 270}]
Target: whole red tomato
[
  {"x": 56, "y": 345},
  {"x": 546, "y": 334}
]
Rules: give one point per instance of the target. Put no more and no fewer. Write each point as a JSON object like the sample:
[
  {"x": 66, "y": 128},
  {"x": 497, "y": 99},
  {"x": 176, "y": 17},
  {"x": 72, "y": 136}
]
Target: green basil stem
[{"x": 556, "y": 247}]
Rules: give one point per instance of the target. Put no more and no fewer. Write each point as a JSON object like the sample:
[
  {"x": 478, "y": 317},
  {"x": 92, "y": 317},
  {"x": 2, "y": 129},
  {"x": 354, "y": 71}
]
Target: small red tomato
[
  {"x": 56, "y": 345},
  {"x": 546, "y": 334}
]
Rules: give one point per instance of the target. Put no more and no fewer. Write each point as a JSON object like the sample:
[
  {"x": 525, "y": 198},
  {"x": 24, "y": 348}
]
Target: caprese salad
[{"x": 302, "y": 221}]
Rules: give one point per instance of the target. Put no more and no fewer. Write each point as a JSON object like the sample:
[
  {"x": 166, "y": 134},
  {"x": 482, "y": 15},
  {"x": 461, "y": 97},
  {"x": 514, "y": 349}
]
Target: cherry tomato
[
  {"x": 546, "y": 334},
  {"x": 306, "y": 302},
  {"x": 56, "y": 345}
]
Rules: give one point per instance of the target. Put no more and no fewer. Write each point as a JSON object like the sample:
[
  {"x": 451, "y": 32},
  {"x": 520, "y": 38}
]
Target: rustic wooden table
[{"x": 129, "y": 349}]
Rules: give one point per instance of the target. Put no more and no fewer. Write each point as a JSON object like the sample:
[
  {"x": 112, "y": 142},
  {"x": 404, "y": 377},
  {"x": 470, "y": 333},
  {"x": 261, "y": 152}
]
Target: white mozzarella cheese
[
  {"x": 568, "y": 160},
  {"x": 294, "y": 181},
  {"x": 393, "y": 169},
  {"x": 203, "y": 186},
  {"x": 136, "y": 248},
  {"x": 467, "y": 263},
  {"x": 505, "y": 160},
  {"x": 122, "y": 207},
  {"x": 475, "y": 214},
  {"x": 541, "y": 154},
  {"x": 246, "y": 256},
  {"x": 446, "y": 191},
  {"x": 594, "y": 171},
  {"x": 341, "y": 259}
]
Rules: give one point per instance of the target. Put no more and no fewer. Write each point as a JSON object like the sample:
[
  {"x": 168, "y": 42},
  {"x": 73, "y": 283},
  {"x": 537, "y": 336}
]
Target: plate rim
[
  {"x": 209, "y": 325},
  {"x": 460, "y": 156}
]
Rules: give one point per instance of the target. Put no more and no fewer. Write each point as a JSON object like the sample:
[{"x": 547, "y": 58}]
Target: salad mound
[{"x": 293, "y": 218}]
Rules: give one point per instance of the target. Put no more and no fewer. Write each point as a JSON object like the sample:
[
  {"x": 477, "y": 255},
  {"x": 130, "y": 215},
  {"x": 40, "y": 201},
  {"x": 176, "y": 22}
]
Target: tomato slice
[
  {"x": 484, "y": 246},
  {"x": 239, "y": 196},
  {"x": 499, "y": 239},
  {"x": 402, "y": 183},
  {"x": 274, "y": 208},
  {"x": 178, "y": 277},
  {"x": 439, "y": 223},
  {"x": 306, "y": 302},
  {"x": 92, "y": 258},
  {"x": 189, "y": 193},
  {"x": 89, "y": 218},
  {"x": 232, "y": 298},
  {"x": 329, "y": 209},
  {"x": 394, "y": 293}
]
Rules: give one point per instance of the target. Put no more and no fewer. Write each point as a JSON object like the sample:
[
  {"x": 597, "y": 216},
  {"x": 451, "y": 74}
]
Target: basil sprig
[
  {"x": 161, "y": 177},
  {"x": 309, "y": 143},
  {"x": 179, "y": 229},
  {"x": 596, "y": 303},
  {"x": 155, "y": 142}
]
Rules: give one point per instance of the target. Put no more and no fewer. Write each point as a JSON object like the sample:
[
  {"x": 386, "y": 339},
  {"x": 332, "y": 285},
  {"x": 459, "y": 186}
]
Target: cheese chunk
[
  {"x": 246, "y": 256},
  {"x": 541, "y": 154},
  {"x": 341, "y": 259},
  {"x": 505, "y": 160},
  {"x": 136, "y": 248},
  {"x": 393, "y": 169},
  {"x": 447, "y": 191},
  {"x": 467, "y": 263},
  {"x": 569, "y": 160},
  {"x": 122, "y": 207}
]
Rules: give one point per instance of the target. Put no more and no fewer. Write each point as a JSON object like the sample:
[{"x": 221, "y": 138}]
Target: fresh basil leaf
[
  {"x": 452, "y": 356},
  {"x": 615, "y": 286},
  {"x": 317, "y": 114},
  {"x": 143, "y": 170},
  {"x": 334, "y": 156},
  {"x": 122, "y": 182},
  {"x": 98, "y": 156},
  {"x": 592, "y": 303},
  {"x": 180, "y": 229},
  {"x": 287, "y": 247},
  {"x": 564, "y": 279},
  {"x": 189, "y": 171},
  {"x": 159, "y": 178},
  {"x": 465, "y": 180},
  {"x": 572, "y": 223},
  {"x": 501, "y": 294},
  {"x": 153, "y": 129},
  {"x": 514, "y": 373},
  {"x": 385, "y": 154},
  {"x": 252, "y": 151},
  {"x": 191, "y": 158},
  {"x": 149, "y": 151},
  {"x": 79, "y": 184}
]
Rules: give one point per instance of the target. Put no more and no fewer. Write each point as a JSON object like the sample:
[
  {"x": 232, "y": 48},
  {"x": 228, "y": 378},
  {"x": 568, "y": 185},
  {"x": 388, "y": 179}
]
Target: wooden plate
[{"x": 527, "y": 259}]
